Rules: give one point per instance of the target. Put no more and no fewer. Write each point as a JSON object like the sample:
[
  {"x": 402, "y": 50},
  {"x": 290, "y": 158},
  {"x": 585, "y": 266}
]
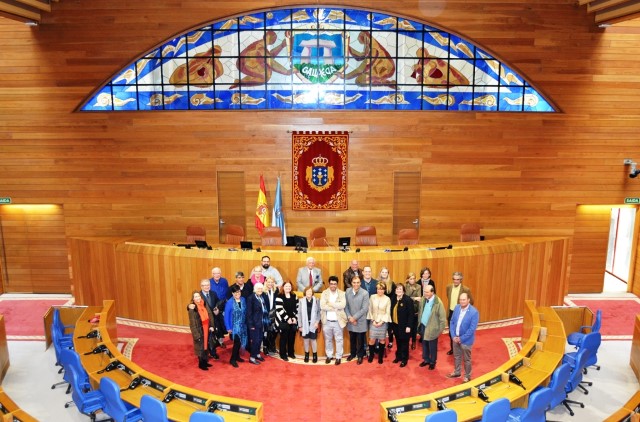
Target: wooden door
[
  {"x": 34, "y": 249},
  {"x": 406, "y": 201},
  {"x": 232, "y": 206}
]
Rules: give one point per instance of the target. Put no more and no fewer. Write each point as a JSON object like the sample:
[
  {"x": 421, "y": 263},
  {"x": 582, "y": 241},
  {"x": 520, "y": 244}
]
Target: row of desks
[
  {"x": 101, "y": 357},
  {"x": 533, "y": 365}
]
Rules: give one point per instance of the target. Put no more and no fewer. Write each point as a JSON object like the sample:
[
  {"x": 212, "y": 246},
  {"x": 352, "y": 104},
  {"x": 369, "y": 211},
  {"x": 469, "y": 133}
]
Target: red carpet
[
  {"x": 618, "y": 315},
  {"x": 340, "y": 393},
  {"x": 23, "y": 317}
]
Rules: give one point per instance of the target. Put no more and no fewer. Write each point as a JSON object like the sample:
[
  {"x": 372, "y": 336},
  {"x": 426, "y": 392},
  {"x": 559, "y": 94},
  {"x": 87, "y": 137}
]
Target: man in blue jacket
[{"x": 462, "y": 330}]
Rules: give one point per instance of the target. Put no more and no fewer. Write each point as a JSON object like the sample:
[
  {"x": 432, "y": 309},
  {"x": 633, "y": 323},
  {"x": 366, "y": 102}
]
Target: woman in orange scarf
[{"x": 201, "y": 325}]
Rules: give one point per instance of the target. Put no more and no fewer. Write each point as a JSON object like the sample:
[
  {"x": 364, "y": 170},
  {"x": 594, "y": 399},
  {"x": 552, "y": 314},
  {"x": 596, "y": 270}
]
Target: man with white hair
[
  {"x": 309, "y": 276},
  {"x": 257, "y": 314}
]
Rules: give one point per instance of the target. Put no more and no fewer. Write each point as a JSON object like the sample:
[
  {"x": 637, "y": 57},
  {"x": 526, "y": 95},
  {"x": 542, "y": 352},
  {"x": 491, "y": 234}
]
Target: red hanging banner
[{"x": 320, "y": 170}]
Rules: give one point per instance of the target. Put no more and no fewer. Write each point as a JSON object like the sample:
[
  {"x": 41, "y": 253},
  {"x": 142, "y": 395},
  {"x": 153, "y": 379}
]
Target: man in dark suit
[
  {"x": 256, "y": 314},
  {"x": 211, "y": 299}
]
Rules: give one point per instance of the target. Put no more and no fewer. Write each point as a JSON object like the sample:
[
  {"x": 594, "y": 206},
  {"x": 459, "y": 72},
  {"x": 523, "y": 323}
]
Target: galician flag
[
  {"x": 262, "y": 211},
  {"x": 277, "y": 219}
]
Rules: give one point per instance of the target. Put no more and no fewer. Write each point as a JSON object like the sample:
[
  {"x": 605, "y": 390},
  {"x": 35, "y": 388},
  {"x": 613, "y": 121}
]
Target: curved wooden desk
[
  {"x": 113, "y": 364},
  {"x": 533, "y": 365},
  {"x": 152, "y": 281}
]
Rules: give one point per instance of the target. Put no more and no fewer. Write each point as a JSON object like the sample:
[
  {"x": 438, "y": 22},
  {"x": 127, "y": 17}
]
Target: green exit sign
[
  {"x": 632, "y": 200},
  {"x": 5, "y": 200}
]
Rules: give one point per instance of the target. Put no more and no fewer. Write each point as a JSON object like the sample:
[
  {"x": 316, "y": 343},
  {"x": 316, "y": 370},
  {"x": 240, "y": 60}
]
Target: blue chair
[
  {"x": 205, "y": 417},
  {"x": 577, "y": 365},
  {"x": 59, "y": 346},
  {"x": 70, "y": 357},
  {"x": 87, "y": 402},
  {"x": 446, "y": 415},
  {"x": 114, "y": 406},
  {"x": 558, "y": 383},
  {"x": 153, "y": 409},
  {"x": 591, "y": 344},
  {"x": 575, "y": 339},
  {"x": 496, "y": 411},
  {"x": 536, "y": 411},
  {"x": 57, "y": 322}
]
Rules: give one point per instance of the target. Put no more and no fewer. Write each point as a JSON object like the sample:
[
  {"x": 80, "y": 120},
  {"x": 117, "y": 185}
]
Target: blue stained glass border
[{"x": 317, "y": 58}]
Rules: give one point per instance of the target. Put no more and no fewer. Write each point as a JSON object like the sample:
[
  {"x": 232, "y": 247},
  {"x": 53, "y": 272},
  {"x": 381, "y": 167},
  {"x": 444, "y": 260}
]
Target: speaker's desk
[
  {"x": 153, "y": 281},
  {"x": 533, "y": 366},
  {"x": 108, "y": 361}
]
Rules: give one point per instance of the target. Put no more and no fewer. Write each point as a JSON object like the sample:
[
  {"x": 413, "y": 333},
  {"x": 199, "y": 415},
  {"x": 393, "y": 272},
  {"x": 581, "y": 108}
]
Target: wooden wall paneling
[
  {"x": 152, "y": 174},
  {"x": 591, "y": 240},
  {"x": 35, "y": 248}
]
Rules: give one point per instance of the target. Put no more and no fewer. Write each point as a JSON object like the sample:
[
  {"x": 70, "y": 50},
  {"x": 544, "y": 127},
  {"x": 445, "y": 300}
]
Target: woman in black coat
[{"x": 402, "y": 321}]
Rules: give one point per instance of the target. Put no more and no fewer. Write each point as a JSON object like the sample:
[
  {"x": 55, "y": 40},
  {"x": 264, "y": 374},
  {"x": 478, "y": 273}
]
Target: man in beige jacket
[{"x": 334, "y": 319}]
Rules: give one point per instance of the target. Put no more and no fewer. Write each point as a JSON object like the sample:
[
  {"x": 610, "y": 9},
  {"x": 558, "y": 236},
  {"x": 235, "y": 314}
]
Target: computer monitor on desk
[
  {"x": 246, "y": 246},
  {"x": 300, "y": 242},
  {"x": 344, "y": 243},
  {"x": 202, "y": 244}
]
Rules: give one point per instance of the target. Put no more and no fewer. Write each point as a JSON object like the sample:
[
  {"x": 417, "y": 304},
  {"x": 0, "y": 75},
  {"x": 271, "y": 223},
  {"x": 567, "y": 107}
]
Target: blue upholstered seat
[
  {"x": 496, "y": 411},
  {"x": 153, "y": 409},
  {"x": 114, "y": 406},
  {"x": 536, "y": 411}
]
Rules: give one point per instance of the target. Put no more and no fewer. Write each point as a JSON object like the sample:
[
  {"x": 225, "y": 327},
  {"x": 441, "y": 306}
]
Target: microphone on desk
[
  {"x": 110, "y": 367},
  {"x": 91, "y": 334},
  {"x": 213, "y": 407},
  {"x": 134, "y": 383},
  {"x": 440, "y": 404},
  {"x": 483, "y": 396},
  {"x": 100, "y": 349},
  {"x": 170, "y": 396},
  {"x": 514, "y": 379},
  {"x": 391, "y": 415}
]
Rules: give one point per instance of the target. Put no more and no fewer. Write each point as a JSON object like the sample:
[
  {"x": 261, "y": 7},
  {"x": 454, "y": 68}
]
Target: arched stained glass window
[{"x": 316, "y": 58}]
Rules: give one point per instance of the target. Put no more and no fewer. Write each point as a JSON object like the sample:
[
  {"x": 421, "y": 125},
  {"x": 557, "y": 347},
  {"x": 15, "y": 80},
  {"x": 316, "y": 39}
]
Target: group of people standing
[{"x": 253, "y": 313}]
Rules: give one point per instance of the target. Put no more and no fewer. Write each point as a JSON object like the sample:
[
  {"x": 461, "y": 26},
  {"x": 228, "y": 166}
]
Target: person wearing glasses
[
  {"x": 453, "y": 293},
  {"x": 334, "y": 319}
]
